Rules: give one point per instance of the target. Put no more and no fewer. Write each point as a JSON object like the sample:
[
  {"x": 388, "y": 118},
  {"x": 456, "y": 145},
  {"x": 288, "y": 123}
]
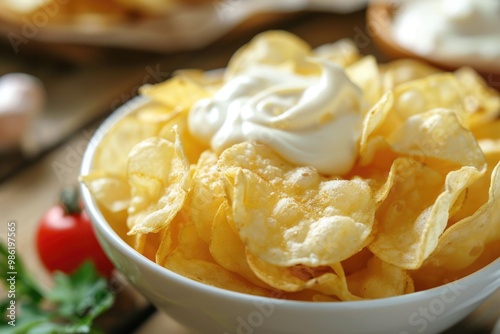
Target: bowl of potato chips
[{"x": 304, "y": 190}]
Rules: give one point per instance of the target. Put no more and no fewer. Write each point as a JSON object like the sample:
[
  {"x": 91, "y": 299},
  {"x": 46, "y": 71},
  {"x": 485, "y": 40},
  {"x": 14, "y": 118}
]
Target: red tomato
[{"x": 65, "y": 240}]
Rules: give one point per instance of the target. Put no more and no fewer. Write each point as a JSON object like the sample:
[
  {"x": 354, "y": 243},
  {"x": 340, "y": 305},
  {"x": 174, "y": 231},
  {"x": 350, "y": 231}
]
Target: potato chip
[
  {"x": 477, "y": 193},
  {"x": 159, "y": 178},
  {"x": 212, "y": 274},
  {"x": 438, "y": 134},
  {"x": 380, "y": 280},
  {"x": 111, "y": 155},
  {"x": 416, "y": 211},
  {"x": 290, "y": 279},
  {"x": 170, "y": 237},
  {"x": 192, "y": 147},
  {"x": 456, "y": 248},
  {"x": 436, "y": 91},
  {"x": 178, "y": 93},
  {"x": 275, "y": 48},
  {"x": 228, "y": 250},
  {"x": 309, "y": 220},
  {"x": 373, "y": 119},
  {"x": 206, "y": 196},
  {"x": 400, "y": 71},
  {"x": 467, "y": 245},
  {"x": 109, "y": 190},
  {"x": 343, "y": 52},
  {"x": 192, "y": 259},
  {"x": 482, "y": 101},
  {"x": 365, "y": 74}
]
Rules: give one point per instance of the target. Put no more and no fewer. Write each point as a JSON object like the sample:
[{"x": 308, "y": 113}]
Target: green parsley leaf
[{"x": 70, "y": 308}]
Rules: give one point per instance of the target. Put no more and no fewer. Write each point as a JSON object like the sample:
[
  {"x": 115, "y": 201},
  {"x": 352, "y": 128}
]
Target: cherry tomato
[{"x": 65, "y": 238}]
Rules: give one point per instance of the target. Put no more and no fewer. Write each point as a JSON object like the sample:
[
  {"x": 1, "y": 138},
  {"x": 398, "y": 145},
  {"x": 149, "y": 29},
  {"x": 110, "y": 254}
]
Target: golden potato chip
[
  {"x": 436, "y": 91},
  {"x": 365, "y": 74},
  {"x": 380, "y": 280},
  {"x": 399, "y": 71},
  {"x": 343, "y": 52},
  {"x": 192, "y": 147},
  {"x": 416, "y": 211},
  {"x": 159, "y": 178},
  {"x": 206, "y": 196},
  {"x": 228, "y": 250},
  {"x": 109, "y": 190},
  {"x": 279, "y": 49},
  {"x": 463, "y": 243},
  {"x": 467, "y": 245},
  {"x": 331, "y": 220},
  {"x": 293, "y": 279},
  {"x": 438, "y": 134},
  {"x": 373, "y": 119},
  {"x": 212, "y": 274},
  {"x": 111, "y": 154},
  {"x": 170, "y": 238},
  {"x": 477, "y": 193},
  {"x": 192, "y": 259},
  {"x": 178, "y": 93},
  {"x": 481, "y": 101}
]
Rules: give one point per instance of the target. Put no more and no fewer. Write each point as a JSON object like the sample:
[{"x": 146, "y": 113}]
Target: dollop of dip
[
  {"x": 465, "y": 29},
  {"x": 310, "y": 120}
]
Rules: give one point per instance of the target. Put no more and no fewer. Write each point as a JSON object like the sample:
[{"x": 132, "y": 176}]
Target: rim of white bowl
[{"x": 99, "y": 222}]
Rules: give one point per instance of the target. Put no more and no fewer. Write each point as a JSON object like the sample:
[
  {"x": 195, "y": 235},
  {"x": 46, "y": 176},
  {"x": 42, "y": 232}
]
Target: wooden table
[{"x": 30, "y": 189}]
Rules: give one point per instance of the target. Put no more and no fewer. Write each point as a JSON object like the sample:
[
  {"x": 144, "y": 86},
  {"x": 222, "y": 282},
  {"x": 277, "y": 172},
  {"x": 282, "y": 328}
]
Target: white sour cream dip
[{"x": 310, "y": 120}]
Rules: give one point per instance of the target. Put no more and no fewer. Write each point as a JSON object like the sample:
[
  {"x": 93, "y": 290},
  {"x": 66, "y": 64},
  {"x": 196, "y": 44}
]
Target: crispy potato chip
[
  {"x": 436, "y": 91},
  {"x": 192, "y": 147},
  {"x": 373, "y": 119},
  {"x": 438, "y": 134},
  {"x": 192, "y": 259},
  {"x": 404, "y": 70},
  {"x": 477, "y": 193},
  {"x": 343, "y": 52},
  {"x": 212, "y": 274},
  {"x": 109, "y": 190},
  {"x": 228, "y": 250},
  {"x": 170, "y": 238},
  {"x": 365, "y": 74},
  {"x": 111, "y": 154},
  {"x": 330, "y": 221},
  {"x": 380, "y": 280},
  {"x": 159, "y": 178},
  {"x": 456, "y": 248},
  {"x": 482, "y": 101},
  {"x": 206, "y": 196},
  {"x": 416, "y": 211},
  {"x": 178, "y": 93},
  {"x": 290, "y": 279},
  {"x": 274, "y": 48},
  {"x": 467, "y": 245}
]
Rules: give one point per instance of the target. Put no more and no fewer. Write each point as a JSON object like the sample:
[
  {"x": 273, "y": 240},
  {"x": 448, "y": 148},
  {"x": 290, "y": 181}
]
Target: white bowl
[{"x": 207, "y": 309}]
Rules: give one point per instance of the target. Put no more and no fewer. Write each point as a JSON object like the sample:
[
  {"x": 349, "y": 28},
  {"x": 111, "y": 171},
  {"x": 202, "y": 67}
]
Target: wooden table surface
[{"x": 31, "y": 187}]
